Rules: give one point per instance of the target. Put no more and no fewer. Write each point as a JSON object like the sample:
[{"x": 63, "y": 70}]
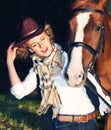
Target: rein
[
  {"x": 95, "y": 52},
  {"x": 95, "y": 92},
  {"x": 82, "y": 44}
]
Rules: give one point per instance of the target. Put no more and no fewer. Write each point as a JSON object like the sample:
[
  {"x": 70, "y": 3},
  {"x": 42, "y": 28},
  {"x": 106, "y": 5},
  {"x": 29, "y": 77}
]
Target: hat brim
[{"x": 24, "y": 39}]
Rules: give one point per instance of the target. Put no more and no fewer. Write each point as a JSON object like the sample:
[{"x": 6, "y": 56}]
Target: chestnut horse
[
  {"x": 90, "y": 30},
  {"x": 90, "y": 42}
]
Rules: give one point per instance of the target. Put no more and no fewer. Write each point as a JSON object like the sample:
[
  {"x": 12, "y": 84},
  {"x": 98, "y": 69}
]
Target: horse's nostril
[{"x": 79, "y": 76}]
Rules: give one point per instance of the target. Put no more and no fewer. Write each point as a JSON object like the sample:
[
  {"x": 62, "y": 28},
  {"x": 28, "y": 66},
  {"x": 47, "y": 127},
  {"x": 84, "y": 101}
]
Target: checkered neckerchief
[{"x": 45, "y": 68}]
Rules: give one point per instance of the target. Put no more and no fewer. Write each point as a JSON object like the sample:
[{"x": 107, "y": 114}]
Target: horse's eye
[{"x": 97, "y": 28}]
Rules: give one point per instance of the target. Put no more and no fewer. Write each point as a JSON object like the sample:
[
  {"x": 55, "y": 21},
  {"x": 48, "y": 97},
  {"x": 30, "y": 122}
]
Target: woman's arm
[
  {"x": 11, "y": 55},
  {"x": 19, "y": 88},
  {"x": 25, "y": 87}
]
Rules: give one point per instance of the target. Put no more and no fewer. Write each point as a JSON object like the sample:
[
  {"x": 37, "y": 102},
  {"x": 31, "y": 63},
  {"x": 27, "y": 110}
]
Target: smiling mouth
[{"x": 45, "y": 50}]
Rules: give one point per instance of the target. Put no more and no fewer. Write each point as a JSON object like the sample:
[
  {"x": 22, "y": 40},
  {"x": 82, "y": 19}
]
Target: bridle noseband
[{"x": 95, "y": 52}]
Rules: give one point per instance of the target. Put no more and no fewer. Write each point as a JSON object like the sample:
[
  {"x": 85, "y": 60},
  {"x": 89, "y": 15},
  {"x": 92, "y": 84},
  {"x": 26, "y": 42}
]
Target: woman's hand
[
  {"x": 11, "y": 54},
  {"x": 108, "y": 110}
]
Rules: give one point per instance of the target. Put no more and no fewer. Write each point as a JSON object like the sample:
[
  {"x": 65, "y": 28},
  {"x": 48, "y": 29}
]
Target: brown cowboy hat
[{"x": 27, "y": 29}]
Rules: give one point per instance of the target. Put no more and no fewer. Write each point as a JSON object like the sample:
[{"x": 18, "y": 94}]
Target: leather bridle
[{"x": 95, "y": 52}]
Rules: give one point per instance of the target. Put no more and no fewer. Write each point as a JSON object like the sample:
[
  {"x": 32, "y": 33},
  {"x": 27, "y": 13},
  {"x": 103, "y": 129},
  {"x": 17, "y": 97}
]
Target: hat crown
[
  {"x": 28, "y": 25},
  {"x": 27, "y": 29}
]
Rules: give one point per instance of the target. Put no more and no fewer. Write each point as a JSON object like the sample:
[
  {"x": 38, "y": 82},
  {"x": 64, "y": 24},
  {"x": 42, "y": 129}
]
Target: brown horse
[
  {"x": 90, "y": 30},
  {"x": 90, "y": 42}
]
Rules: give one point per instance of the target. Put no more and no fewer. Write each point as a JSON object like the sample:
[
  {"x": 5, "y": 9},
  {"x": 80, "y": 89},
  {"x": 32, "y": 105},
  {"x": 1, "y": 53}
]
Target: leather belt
[{"x": 77, "y": 118}]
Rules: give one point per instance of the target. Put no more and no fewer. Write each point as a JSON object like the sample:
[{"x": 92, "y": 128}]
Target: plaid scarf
[{"x": 46, "y": 68}]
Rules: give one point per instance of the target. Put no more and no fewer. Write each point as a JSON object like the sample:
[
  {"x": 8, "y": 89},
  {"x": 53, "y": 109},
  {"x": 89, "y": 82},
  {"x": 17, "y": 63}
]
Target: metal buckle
[
  {"x": 72, "y": 118},
  {"x": 83, "y": 121}
]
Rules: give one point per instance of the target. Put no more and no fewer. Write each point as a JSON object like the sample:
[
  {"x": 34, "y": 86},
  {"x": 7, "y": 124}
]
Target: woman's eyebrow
[
  {"x": 31, "y": 44},
  {"x": 42, "y": 37}
]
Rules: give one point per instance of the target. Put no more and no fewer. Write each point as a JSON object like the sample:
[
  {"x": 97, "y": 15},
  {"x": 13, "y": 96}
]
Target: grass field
[{"x": 21, "y": 114}]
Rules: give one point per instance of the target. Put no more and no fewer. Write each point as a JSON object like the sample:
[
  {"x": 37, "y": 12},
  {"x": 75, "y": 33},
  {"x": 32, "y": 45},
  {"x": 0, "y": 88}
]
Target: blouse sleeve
[
  {"x": 65, "y": 64},
  {"x": 27, "y": 86}
]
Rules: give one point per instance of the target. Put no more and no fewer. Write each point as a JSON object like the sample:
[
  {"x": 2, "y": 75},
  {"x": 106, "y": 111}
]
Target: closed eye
[
  {"x": 34, "y": 44},
  {"x": 43, "y": 38}
]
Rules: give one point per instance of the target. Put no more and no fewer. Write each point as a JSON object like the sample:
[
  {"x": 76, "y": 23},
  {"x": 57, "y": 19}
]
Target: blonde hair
[{"x": 23, "y": 51}]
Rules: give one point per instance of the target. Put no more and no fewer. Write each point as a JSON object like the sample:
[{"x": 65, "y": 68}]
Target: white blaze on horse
[{"x": 76, "y": 76}]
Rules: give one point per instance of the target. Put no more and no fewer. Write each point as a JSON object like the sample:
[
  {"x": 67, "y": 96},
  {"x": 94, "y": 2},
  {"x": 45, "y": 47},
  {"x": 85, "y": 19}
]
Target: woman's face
[{"x": 40, "y": 45}]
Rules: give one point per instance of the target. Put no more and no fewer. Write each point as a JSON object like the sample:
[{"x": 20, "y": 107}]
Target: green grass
[{"x": 19, "y": 114}]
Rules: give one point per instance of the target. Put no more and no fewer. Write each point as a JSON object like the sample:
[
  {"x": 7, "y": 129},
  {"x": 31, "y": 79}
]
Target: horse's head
[{"x": 85, "y": 37}]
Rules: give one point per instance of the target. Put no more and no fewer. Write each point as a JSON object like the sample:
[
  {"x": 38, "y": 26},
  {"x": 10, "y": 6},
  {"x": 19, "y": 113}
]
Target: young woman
[{"x": 72, "y": 107}]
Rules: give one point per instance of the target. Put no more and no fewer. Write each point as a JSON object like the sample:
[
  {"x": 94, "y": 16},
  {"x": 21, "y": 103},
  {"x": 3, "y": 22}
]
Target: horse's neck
[
  {"x": 105, "y": 55},
  {"x": 104, "y": 60},
  {"x": 107, "y": 45},
  {"x": 107, "y": 20}
]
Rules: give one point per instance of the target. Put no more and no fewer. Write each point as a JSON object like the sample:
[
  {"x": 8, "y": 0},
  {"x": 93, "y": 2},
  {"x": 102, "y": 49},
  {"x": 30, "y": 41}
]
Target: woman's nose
[{"x": 41, "y": 45}]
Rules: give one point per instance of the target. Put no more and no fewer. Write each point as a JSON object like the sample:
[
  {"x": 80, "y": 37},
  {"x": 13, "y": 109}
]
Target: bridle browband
[
  {"x": 87, "y": 10},
  {"x": 96, "y": 52},
  {"x": 82, "y": 44}
]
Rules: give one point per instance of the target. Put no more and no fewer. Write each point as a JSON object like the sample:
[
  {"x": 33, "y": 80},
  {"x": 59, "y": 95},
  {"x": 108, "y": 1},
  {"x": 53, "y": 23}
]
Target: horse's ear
[{"x": 103, "y": 3}]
